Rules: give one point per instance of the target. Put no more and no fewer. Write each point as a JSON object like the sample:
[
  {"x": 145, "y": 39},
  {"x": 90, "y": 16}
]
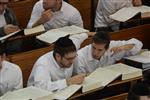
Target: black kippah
[
  {"x": 141, "y": 89},
  {"x": 64, "y": 42}
]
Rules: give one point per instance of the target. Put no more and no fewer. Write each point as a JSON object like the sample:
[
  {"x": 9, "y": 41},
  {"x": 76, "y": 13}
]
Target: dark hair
[
  {"x": 139, "y": 89},
  {"x": 63, "y": 46},
  {"x": 102, "y": 37}
]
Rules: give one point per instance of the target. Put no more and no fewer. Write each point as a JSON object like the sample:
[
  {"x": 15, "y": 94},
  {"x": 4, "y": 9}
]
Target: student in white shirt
[
  {"x": 10, "y": 74},
  {"x": 53, "y": 70},
  {"x": 107, "y": 7},
  {"x": 8, "y": 22},
  {"x": 103, "y": 52},
  {"x": 54, "y": 14}
]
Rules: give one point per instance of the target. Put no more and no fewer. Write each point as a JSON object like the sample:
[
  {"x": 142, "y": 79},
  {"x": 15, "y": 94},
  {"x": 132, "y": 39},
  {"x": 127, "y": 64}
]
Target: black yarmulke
[
  {"x": 141, "y": 89},
  {"x": 64, "y": 42}
]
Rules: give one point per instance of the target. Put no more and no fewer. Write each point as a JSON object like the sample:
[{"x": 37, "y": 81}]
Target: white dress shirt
[
  {"x": 86, "y": 63},
  {"x": 107, "y": 7},
  {"x": 67, "y": 16},
  {"x": 47, "y": 74},
  {"x": 2, "y": 20},
  {"x": 10, "y": 77}
]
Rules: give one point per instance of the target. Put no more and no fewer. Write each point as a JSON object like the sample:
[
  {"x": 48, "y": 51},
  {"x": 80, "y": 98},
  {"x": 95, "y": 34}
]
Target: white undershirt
[{"x": 2, "y": 20}]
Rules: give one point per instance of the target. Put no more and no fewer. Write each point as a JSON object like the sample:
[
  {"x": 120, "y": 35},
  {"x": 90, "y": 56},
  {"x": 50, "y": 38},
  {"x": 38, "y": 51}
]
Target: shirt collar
[
  {"x": 62, "y": 6},
  {"x": 55, "y": 62}
]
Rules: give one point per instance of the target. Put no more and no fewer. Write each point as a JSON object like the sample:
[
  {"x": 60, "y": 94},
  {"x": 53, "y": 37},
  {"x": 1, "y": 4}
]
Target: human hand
[
  {"x": 46, "y": 16},
  {"x": 77, "y": 79},
  {"x": 10, "y": 28}
]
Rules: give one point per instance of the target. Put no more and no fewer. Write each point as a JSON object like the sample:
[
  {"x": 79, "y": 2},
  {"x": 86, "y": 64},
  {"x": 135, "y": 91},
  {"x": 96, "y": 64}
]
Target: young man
[
  {"x": 139, "y": 91},
  {"x": 8, "y": 22},
  {"x": 53, "y": 70},
  {"x": 103, "y": 52},
  {"x": 107, "y": 7},
  {"x": 10, "y": 74},
  {"x": 54, "y": 14}
]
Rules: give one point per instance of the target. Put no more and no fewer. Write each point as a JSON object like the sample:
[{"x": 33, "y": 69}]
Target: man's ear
[{"x": 58, "y": 56}]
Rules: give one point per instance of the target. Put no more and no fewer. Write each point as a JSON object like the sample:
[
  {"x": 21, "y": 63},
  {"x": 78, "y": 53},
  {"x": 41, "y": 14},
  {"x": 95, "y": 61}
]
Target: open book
[
  {"x": 9, "y": 35},
  {"x": 33, "y": 30},
  {"x": 127, "y": 13},
  {"x": 30, "y": 31},
  {"x": 142, "y": 60},
  {"x": 53, "y": 34},
  {"x": 29, "y": 93},
  {"x": 34, "y": 93},
  {"x": 101, "y": 77},
  {"x": 143, "y": 57},
  {"x": 126, "y": 71}
]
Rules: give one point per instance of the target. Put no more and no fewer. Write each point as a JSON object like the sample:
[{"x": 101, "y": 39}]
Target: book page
[
  {"x": 146, "y": 54},
  {"x": 144, "y": 57},
  {"x": 33, "y": 30},
  {"x": 54, "y": 34},
  {"x": 124, "y": 14},
  {"x": 144, "y": 9},
  {"x": 27, "y": 94},
  {"x": 99, "y": 78},
  {"x": 67, "y": 92},
  {"x": 126, "y": 71},
  {"x": 91, "y": 84},
  {"x": 51, "y": 36},
  {"x": 73, "y": 29},
  {"x": 9, "y": 35}
]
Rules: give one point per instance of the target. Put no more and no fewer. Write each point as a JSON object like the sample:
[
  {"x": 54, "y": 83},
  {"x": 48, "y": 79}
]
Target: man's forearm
[{"x": 128, "y": 47}]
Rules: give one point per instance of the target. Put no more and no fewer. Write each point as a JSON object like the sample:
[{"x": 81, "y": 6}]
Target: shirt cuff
[{"x": 62, "y": 84}]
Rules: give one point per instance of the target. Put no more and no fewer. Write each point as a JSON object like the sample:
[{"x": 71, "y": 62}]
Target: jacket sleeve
[{"x": 2, "y": 31}]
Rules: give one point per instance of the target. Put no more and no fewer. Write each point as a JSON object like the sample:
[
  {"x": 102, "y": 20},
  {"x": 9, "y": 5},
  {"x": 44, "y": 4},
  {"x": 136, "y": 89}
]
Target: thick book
[
  {"x": 142, "y": 60},
  {"x": 53, "y": 34},
  {"x": 126, "y": 71},
  {"x": 29, "y": 93},
  {"x": 9, "y": 35},
  {"x": 30, "y": 31},
  {"x": 101, "y": 77},
  {"x": 143, "y": 57},
  {"x": 127, "y": 13},
  {"x": 34, "y": 30}
]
